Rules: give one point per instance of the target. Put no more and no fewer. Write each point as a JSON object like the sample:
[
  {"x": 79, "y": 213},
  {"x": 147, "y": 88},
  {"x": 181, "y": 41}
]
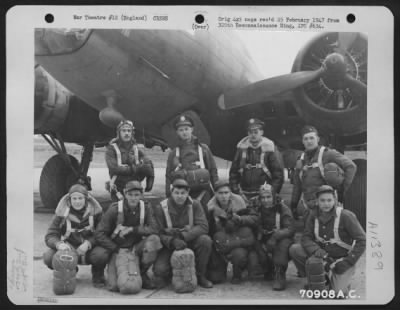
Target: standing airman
[
  {"x": 126, "y": 162},
  {"x": 255, "y": 163},
  {"x": 317, "y": 166},
  {"x": 192, "y": 161}
]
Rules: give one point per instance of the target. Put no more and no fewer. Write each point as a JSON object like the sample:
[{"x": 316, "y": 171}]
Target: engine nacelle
[
  {"x": 51, "y": 102},
  {"x": 58, "y": 110},
  {"x": 328, "y": 103}
]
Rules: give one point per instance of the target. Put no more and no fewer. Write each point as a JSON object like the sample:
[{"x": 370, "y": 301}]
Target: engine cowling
[
  {"x": 327, "y": 102},
  {"x": 59, "y": 110},
  {"x": 51, "y": 102}
]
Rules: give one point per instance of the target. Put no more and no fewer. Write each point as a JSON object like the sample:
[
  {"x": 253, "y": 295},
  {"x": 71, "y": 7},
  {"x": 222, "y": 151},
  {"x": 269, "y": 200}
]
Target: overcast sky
[{"x": 275, "y": 54}]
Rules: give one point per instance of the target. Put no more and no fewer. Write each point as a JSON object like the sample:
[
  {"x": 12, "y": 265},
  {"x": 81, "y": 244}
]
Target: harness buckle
[{"x": 249, "y": 166}]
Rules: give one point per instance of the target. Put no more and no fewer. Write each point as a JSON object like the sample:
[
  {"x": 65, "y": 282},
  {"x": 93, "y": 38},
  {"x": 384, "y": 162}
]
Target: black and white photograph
[
  {"x": 217, "y": 165},
  {"x": 188, "y": 120}
]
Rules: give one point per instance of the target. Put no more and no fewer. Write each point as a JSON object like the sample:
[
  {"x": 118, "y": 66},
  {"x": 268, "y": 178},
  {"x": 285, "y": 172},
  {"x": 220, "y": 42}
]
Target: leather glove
[
  {"x": 125, "y": 231},
  {"x": 178, "y": 244},
  {"x": 320, "y": 253},
  {"x": 174, "y": 232},
  {"x": 180, "y": 235},
  {"x": 141, "y": 230},
  {"x": 230, "y": 226},
  {"x": 235, "y": 189},
  {"x": 223, "y": 247},
  {"x": 236, "y": 219},
  {"x": 328, "y": 262},
  {"x": 170, "y": 231},
  {"x": 149, "y": 184},
  {"x": 271, "y": 243},
  {"x": 61, "y": 246},
  {"x": 341, "y": 267},
  {"x": 84, "y": 247},
  {"x": 134, "y": 169}
]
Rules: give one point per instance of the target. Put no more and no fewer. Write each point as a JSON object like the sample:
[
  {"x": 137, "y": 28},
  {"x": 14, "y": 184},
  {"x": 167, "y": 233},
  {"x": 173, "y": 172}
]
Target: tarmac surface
[{"x": 249, "y": 291}]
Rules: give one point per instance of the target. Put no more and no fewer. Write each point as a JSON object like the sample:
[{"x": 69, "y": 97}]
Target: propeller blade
[
  {"x": 346, "y": 40},
  {"x": 340, "y": 100},
  {"x": 264, "y": 89},
  {"x": 355, "y": 85}
]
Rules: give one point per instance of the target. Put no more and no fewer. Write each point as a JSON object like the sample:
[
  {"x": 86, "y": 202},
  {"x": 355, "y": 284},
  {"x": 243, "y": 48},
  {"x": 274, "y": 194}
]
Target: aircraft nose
[{"x": 59, "y": 41}]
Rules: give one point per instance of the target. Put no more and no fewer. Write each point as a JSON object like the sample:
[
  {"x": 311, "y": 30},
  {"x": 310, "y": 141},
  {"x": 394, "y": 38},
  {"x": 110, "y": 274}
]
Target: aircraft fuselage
[{"x": 157, "y": 74}]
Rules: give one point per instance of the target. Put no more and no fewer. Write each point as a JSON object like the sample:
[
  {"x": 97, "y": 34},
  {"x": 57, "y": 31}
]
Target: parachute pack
[
  {"x": 64, "y": 274},
  {"x": 315, "y": 272},
  {"x": 184, "y": 278},
  {"x": 330, "y": 172},
  {"x": 123, "y": 272},
  {"x": 198, "y": 179}
]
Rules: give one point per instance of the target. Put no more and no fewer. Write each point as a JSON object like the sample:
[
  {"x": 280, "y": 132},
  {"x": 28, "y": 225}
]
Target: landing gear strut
[{"x": 63, "y": 170}]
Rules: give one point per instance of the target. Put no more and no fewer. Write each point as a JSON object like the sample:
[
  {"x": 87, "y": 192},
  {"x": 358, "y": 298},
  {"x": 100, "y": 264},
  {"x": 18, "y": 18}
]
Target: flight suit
[
  {"x": 249, "y": 173},
  {"x": 275, "y": 233},
  {"x": 195, "y": 237},
  {"x": 188, "y": 160},
  {"x": 141, "y": 237},
  {"x": 349, "y": 230},
  {"x": 80, "y": 231},
  {"x": 130, "y": 168},
  {"x": 308, "y": 179},
  {"x": 236, "y": 235}
]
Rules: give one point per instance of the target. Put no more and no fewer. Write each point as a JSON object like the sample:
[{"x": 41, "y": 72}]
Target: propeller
[
  {"x": 262, "y": 90},
  {"x": 345, "y": 41},
  {"x": 333, "y": 70},
  {"x": 355, "y": 85}
]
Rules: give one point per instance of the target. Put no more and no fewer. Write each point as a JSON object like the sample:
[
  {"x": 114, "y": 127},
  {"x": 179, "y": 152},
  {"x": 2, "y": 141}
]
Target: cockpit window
[{"x": 57, "y": 41}]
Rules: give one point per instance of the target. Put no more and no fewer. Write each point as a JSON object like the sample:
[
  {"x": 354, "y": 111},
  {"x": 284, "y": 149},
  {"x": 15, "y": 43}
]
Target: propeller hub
[
  {"x": 335, "y": 64},
  {"x": 335, "y": 70}
]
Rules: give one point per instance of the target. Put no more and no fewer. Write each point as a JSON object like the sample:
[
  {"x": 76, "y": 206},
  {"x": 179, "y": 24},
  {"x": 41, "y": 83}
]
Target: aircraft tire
[
  {"x": 55, "y": 180},
  {"x": 355, "y": 198}
]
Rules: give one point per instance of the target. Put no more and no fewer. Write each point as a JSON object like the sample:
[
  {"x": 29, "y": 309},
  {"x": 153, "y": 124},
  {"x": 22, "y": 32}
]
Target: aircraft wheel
[
  {"x": 356, "y": 197},
  {"x": 55, "y": 180}
]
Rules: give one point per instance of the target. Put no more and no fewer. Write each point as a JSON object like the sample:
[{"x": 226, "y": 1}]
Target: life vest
[
  {"x": 164, "y": 206},
  {"x": 119, "y": 162},
  {"x": 63, "y": 210},
  {"x": 118, "y": 152},
  {"x": 336, "y": 237},
  {"x": 318, "y": 164},
  {"x": 266, "y": 146},
  {"x": 120, "y": 217}
]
